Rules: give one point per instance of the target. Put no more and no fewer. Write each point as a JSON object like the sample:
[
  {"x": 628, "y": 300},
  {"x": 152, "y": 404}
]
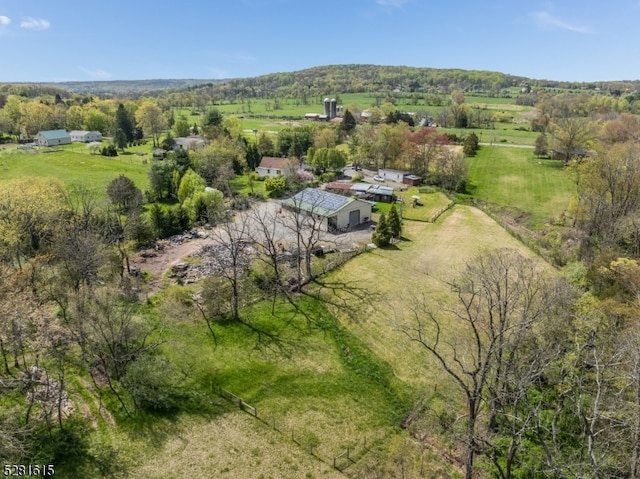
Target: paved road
[{"x": 507, "y": 145}]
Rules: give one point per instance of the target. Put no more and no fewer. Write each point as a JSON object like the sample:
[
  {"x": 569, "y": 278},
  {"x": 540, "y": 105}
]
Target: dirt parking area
[{"x": 168, "y": 253}]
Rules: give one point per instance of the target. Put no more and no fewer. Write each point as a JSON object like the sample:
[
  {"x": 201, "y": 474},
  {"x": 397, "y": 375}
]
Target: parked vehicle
[{"x": 379, "y": 179}]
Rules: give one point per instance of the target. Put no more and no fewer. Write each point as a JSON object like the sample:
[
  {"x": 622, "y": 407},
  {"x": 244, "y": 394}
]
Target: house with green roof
[
  {"x": 336, "y": 212},
  {"x": 53, "y": 138}
]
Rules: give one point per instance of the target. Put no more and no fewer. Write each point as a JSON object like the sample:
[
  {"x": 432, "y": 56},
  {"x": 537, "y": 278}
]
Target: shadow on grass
[
  {"x": 73, "y": 453},
  {"x": 157, "y": 427}
]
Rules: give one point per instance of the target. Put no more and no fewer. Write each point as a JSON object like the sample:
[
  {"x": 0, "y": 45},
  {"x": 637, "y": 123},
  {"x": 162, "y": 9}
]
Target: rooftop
[
  {"x": 318, "y": 202},
  {"x": 53, "y": 134},
  {"x": 273, "y": 162}
]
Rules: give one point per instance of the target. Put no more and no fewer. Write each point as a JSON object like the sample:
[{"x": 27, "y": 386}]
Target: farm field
[
  {"x": 516, "y": 178},
  {"x": 258, "y": 114},
  {"x": 73, "y": 165},
  {"x": 503, "y": 133}
]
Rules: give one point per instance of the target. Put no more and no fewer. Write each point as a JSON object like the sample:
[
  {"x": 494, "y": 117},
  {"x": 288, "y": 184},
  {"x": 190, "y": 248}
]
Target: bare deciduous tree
[{"x": 500, "y": 299}]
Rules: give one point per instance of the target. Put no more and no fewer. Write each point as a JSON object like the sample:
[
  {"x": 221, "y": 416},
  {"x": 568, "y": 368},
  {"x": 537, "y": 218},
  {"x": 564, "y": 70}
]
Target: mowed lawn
[
  {"x": 432, "y": 203},
  {"x": 516, "y": 178},
  {"x": 430, "y": 256},
  {"x": 73, "y": 165}
]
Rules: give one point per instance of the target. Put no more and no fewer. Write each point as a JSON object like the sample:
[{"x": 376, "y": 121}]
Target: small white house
[
  {"x": 193, "y": 142},
  {"x": 84, "y": 136},
  {"x": 52, "y": 138},
  {"x": 271, "y": 166},
  {"x": 392, "y": 175}
]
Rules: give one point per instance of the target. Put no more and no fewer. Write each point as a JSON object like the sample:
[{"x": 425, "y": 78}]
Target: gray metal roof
[
  {"x": 364, "y": 187},
  {"x": 54, "y": 134},
  {"x": 319, "y": 202}
]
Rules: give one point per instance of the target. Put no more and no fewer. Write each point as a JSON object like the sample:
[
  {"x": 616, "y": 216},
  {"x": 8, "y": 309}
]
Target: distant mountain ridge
[
  {"x": 346, "y": 78},
  {"x": 130, "y": 86},
  {"x": 357, "y": 78}
]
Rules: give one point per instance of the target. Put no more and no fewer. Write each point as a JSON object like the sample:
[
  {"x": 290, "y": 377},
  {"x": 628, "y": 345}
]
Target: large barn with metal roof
[{"x": 337, "y": 213}]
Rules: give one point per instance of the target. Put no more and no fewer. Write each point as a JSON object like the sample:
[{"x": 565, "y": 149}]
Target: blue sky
[{"x": 49, "y": 40}]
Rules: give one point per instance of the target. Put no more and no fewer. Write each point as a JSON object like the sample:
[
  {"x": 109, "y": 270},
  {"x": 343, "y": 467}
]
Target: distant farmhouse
[
  {"x": 330, "y": 112},
  {"x": 399, "y": 176},
  {"x": 272, "y": 166},
  {"x": 84, "y": 136},
  {"x": 193, "y": 142},
  {"x": 52, "y": 138}
]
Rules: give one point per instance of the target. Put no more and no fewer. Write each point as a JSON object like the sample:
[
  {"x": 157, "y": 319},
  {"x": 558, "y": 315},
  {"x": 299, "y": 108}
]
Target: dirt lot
[{"x": 174, "y": 251}]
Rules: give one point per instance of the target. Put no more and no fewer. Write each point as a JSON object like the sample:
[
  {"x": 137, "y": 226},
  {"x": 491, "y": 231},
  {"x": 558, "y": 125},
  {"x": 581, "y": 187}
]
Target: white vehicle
[{"x": 379, "y": 179}]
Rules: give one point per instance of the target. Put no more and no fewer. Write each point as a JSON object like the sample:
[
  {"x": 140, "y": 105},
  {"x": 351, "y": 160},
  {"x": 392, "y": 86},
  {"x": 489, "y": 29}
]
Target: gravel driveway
[{"x": 271, "y": 212}]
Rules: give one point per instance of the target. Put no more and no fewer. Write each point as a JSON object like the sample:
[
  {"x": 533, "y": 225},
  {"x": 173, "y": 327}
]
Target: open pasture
[
  {"x": 73, "y": 165},
  {"x": 428, "y": 256},
  {"x": 500, "y": 134},
  {"x": 516, "y": 178}
]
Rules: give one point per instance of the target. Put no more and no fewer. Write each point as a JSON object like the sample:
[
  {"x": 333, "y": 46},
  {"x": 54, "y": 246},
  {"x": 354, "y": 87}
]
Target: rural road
[{"x": 508, "y": 145}]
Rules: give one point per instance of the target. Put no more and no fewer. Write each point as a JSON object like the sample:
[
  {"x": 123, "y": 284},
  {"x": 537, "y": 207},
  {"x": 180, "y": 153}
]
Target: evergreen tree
[
  {"x": 168, "y": 143},
  {"x": 252, "y": 156},
  {"x": 120, "y": 139},
  {"x": 124, "y": 123},
  {"x": 182, "y": 159},
  {"x": 348, "y": 122},
  {"x": 394, "y": 223},
  {"x": 381, "y": 237},
  {"x": 213, "y": 118}
]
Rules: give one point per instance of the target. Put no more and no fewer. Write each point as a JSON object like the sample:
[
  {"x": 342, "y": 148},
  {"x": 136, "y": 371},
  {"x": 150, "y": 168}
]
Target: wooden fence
[{"x": 340, "y": 461}]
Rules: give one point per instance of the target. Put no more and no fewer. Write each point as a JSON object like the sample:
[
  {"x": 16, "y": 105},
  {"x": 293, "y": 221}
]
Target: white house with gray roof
[
  {"x": 52, "y": 138},
  {"x": 84, "y": 136}
]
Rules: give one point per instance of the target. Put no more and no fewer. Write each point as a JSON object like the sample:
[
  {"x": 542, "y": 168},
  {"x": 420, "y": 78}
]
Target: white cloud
[
  {"x": 4, "y": 20},
  {"x": 31, "y": 23},
  {"x": 546, "y": 20},
  {"x": 96, "y": 73}
]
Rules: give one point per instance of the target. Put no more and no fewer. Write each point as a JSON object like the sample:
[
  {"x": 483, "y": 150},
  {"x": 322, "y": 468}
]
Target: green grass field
[
  {"x": 258, "y": 114},
  {"x": 503, "y": 133},
  {"x": 516, "y": 178},
  {"x": 433, "y": 204},
  {"x": 345, "y": 380},
  {"x": 74, "y": 165}
]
